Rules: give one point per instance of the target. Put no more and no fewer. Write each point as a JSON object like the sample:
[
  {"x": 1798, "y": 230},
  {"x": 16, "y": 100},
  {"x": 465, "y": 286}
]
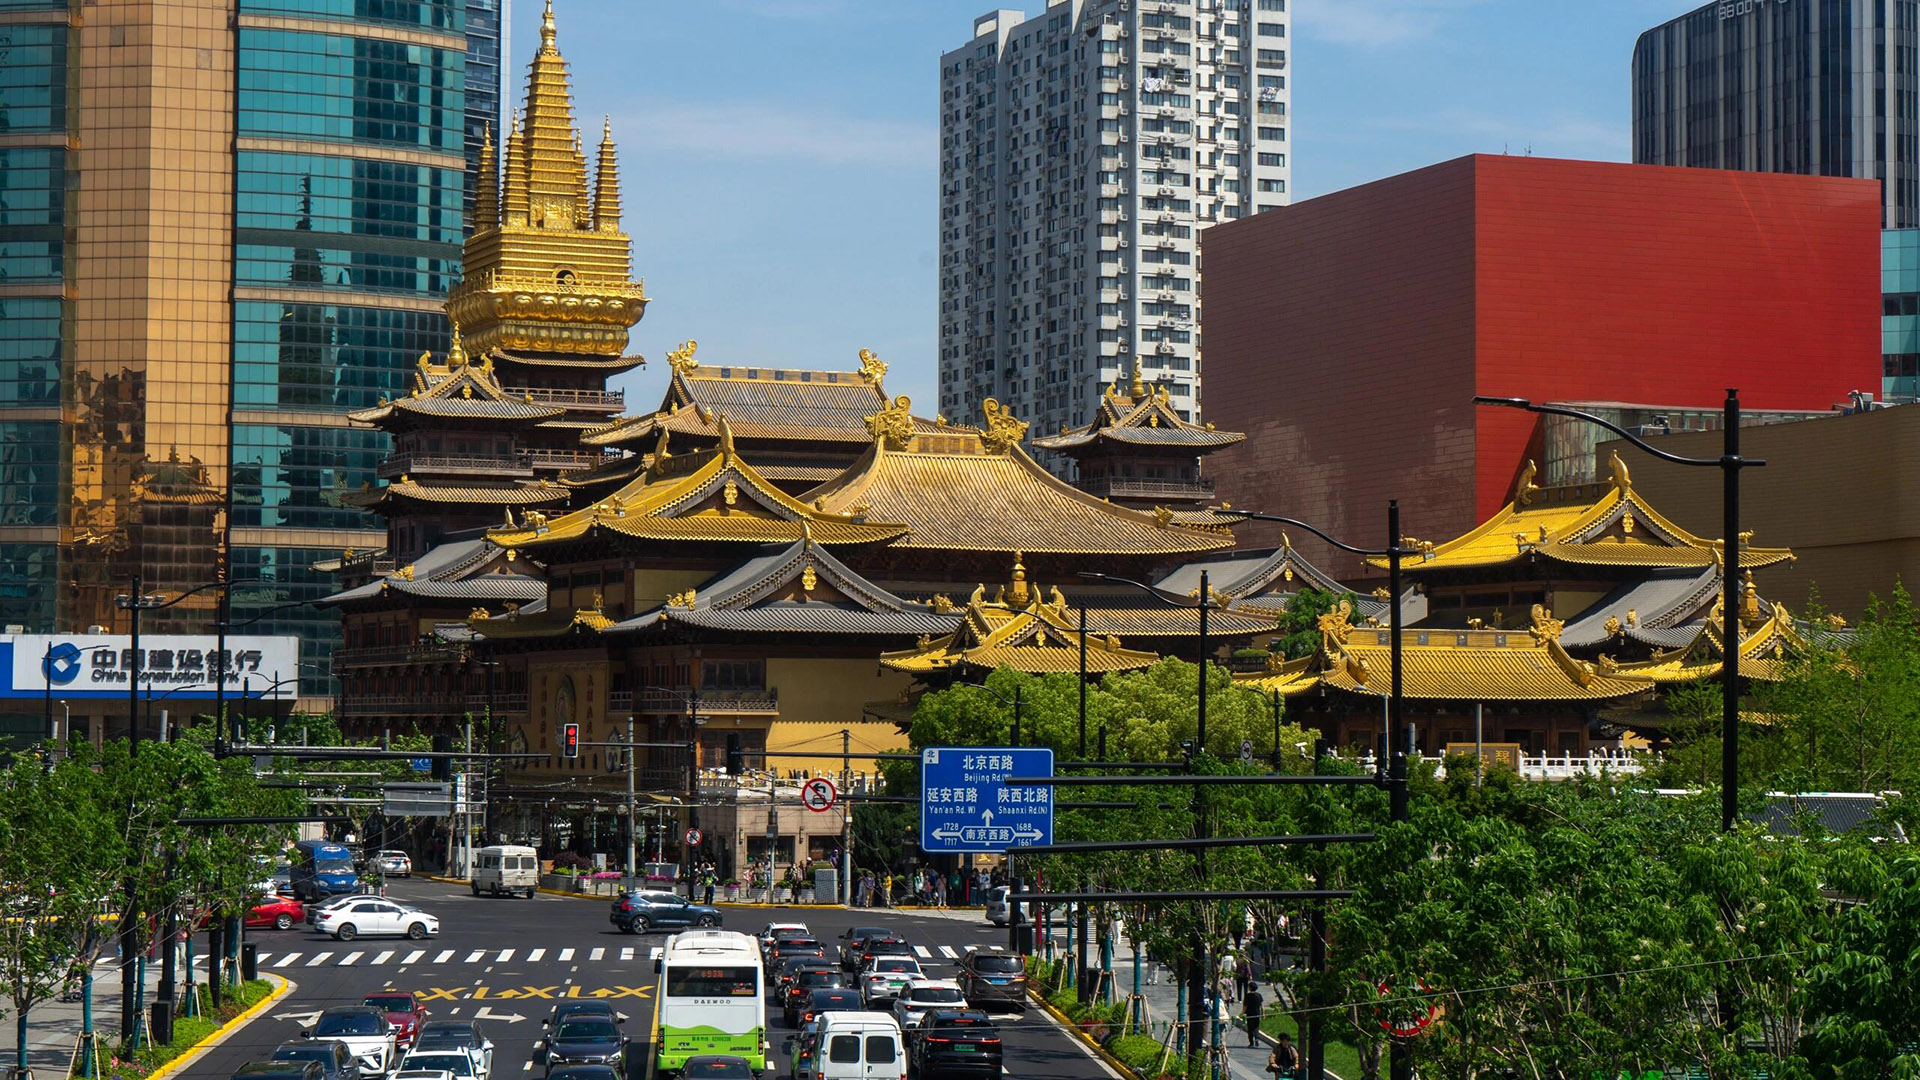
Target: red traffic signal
[{"x": 570, "y": 740}]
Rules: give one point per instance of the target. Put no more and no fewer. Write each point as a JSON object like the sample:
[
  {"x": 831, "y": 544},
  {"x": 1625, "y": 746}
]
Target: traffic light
[
  {"x": 736, "y": 760},
  {"x": 570, "y": 740},
  {"x": 442, "y": 767}
]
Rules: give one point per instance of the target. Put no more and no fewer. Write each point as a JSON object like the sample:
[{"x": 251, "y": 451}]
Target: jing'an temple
[{"x": 779, "y": 561}]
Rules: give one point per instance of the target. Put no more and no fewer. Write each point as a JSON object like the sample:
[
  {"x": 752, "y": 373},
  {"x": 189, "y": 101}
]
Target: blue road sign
[
  {"x": 421, "y": 764},
  {"x": 966, "y": 805}
]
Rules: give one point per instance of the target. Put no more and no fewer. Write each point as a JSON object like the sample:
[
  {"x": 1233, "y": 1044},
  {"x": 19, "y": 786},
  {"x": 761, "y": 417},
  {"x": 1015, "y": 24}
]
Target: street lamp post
[
  {"x": 1395, "y": 762},
  {"x": 1729, "y": 463}
]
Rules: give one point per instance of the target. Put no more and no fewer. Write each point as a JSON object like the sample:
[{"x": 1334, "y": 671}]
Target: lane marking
[
  {"x": 505, "y": 955},
  {"x": 286, "y": 959},
  {"x": 414, "y": 956},
  {"x": 653, "y": 953},
  {"x": 474, "y": 956},
  {"x": 319, "y": 958},
  {"x": 921, "y": 952},
  {"x": 947, "y": 951},
  {"x": 383, "y": 957},
  {"x": 534, "y": 956},
  {"x": 443, "y": 957},
  {"x": 350, "y": 959},
  {"x": 596, "y": 954},
  {"x": 626, "y": 954},
  {"x": 565, "y": 955}
]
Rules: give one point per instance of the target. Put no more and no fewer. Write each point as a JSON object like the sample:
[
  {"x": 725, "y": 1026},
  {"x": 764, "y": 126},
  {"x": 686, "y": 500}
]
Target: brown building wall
[
  {"x": 1317, "y": 323},
  {"x": 1843, "y": 493}
]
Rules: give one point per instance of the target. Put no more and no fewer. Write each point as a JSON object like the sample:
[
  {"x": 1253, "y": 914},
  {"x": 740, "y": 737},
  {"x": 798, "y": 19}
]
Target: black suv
[
  {"x": 988, "y": 976},
  {"x": 642, "y": 910},
  {"x": 955, "y": 1042}
]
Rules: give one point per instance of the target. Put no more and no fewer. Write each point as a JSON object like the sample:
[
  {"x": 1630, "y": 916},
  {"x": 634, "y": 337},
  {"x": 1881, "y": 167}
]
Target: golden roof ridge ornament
[
  {"x": 1524, "y": 492},
  {"x": 1018, "y": 594},
  {"x": 1004, "y": 430},
  {"x": 872, "y": 368},
  {"x": 456, "y": 353},
  {"x": 893, "y": 426},
  {"x": 1543, "y": 626},
  {"x": 1137, "y": 389},
  {"x": 1617, "y": 470},
  {"x": 681, "y": 359}
]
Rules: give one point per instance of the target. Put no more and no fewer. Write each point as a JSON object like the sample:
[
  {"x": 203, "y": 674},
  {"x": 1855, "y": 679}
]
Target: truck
[{"x": 322, "y": 868}]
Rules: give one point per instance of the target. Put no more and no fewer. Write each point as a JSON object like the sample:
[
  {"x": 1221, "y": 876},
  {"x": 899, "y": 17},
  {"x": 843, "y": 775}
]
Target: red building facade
[{"x": 1348, "y": 334}]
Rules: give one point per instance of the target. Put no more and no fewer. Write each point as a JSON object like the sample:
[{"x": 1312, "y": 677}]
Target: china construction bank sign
[{"x": 185, "y": 666}]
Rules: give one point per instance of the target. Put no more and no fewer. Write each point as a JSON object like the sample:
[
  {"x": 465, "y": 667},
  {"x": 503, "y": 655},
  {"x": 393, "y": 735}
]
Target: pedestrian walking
[
  {"x": 1254, "y": 1005},
  {"x": 1224, "y": 978},
  {"x": 939, "y": 890},
  {"x": 1284, "y": 1062}
]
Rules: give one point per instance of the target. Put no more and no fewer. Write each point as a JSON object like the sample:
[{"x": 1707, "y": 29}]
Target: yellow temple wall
[{"x": 818, "y": 698}]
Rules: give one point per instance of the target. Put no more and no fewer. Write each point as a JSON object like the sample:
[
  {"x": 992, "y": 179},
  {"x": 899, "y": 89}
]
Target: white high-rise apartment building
[{"x": 1082, "y": 151}]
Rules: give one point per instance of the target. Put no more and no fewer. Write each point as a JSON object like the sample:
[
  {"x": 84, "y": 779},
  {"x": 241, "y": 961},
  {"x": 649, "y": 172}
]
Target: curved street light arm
[
  {"x": 1296, "y": 522},
  {"x": 1601, "y": 421},
  {"x": 1206, "y": 602},
  {"x": 127, "y": 602},
  {"x": 1004, "y": 699}
]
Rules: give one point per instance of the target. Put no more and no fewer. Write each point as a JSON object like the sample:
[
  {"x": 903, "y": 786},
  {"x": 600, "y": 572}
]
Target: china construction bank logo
[{"x": 62, "y": 663}]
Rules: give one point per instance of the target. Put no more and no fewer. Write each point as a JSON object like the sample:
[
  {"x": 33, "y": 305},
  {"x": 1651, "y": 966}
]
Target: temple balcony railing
[
  {"x": 711, "y": 702},
  {"x": 1553, "y": 766},
  {"x": 567, "y": 460},
  {"x": 1126, "y": 487},
  {"x": 499, "y": 704},
  {"x": 397, "y": 656},
  {"x": 591, "y": 399},
  {"x": 447, "y": 705},
  {"x": 515, "y": 465}
]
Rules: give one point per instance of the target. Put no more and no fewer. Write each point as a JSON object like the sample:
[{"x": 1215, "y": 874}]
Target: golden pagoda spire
[
  {"x": 456, "y": 353},
  {"x": 556, "y": 170},
  {"x": 514, "y": 196},
  {"x": 1018, "y": 593},
  {"x": 606, "y": 183},
  {"x": 1137, "y": 389},
  {"x": 486, "y": 186}
]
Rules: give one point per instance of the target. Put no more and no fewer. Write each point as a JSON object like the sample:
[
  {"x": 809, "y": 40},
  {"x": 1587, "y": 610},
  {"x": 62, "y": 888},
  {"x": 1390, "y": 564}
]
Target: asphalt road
[{"x": 505, "y": 961}]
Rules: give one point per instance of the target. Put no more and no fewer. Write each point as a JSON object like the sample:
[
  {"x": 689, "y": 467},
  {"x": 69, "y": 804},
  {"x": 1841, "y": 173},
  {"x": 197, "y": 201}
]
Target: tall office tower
[
  {"x": 1818, "y": 87},
  {"x": 1082, "y": 151},
  {"x": 227, "y": 224}
]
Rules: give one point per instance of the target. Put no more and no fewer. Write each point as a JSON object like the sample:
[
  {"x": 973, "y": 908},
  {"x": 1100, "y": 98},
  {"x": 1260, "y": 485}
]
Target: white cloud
[
  {"x": 1375, "y": 23},
  {"x": 776, "y": 131}
]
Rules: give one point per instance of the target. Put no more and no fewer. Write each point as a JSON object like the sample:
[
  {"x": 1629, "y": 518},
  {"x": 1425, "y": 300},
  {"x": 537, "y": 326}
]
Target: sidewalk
[
  {"x": 53, "y": 1027},
  {"x": 1163, "y": 997}
]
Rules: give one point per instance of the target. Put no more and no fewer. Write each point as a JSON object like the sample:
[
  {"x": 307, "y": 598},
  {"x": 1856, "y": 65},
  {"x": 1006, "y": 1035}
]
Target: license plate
[
  {"x": 996, "y": 982},
  {"x": 966, "y": 1049}
]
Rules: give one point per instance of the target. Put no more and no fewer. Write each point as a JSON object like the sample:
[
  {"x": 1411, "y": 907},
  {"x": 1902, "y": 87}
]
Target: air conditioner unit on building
[
  {"x": 1124, "y": 140},
  {"x": 1166, "y": 348}
]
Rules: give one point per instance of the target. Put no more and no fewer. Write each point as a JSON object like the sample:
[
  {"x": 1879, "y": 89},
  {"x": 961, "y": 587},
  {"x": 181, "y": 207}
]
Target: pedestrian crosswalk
[{"x": 489, "y": 957}]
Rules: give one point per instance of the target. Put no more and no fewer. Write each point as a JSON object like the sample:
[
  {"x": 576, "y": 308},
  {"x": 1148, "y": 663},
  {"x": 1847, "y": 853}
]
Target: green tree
[{"x": 1300, "y": 623}]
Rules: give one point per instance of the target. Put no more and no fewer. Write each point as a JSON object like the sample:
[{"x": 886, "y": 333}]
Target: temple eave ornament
[
  {"x": 1004, "y": 430},
  {"x": 893, "y": 426}
]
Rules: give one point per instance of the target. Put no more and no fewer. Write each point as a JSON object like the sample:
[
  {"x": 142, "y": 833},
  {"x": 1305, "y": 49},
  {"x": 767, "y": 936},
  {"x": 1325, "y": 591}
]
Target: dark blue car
[
  {"x": 641, "y": 910},
  {"x": 583, "y": 1040}
]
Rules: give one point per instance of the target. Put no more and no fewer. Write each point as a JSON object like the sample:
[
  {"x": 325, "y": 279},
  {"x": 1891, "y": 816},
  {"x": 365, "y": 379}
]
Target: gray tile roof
[{"x": 1664, "y": 603}]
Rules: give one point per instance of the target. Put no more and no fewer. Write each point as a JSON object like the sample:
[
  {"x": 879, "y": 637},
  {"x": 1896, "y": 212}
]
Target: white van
[
  {"x": 860, "y": 1046},
  {"x": 506, "y": 869}
]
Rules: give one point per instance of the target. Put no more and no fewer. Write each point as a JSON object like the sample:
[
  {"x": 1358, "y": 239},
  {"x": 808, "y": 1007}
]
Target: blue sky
[{"x": 777, "y": 156}]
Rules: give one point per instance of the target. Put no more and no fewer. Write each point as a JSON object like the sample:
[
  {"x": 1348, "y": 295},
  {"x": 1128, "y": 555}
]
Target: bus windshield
[{"x": 713, "y": 982}]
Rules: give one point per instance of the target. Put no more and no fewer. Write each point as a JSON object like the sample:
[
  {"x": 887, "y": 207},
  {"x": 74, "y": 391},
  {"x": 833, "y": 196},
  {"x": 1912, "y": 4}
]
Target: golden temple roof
[
  {"x": 759, "y": 403},
  {"x": 1136, "y": 416},
  {"x": 1468, "y": 665},
  {"x": 709, "y": 495},
  {"x": 1768, "y": 644},
  {"x": 458, "y": 390},
  {"x": 534, "y": 494},
  {"x": 1017, "y": 629},
  {"x": 1593, "y": 524},
  {"x": 1285, "y": 677},
  {"x": 964, "y": 490},
  {"x": 544, "y": 624}
]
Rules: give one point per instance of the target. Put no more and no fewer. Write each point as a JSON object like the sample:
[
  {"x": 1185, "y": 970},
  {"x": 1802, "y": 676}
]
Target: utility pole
[
  {"x": 632, "y": 878},
  {"x": 846, "y": 816}
]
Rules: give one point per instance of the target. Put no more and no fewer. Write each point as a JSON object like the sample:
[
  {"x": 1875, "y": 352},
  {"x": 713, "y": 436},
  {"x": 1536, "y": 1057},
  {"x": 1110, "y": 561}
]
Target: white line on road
[
  {"x": 947, "y": 951},
  {"x": 565, "y": 955},
  {"x": 319, "y": 958},
  {"x": 596, "y": 954},
  {"x": 444, "y": 956},
  {"x": 350, "y": 959},
  {"x": 474, "y": 956},
  {"x": 653, "y": 953},
  {"x": 921, "y": 952},
  {"x": 625, "y": 954},
  {"x": 534, "y": 956},
  {"x": 527, "y": 1067},
  {"x": 414, "y": 956},
  {"x": 505, "y": 955},
  {"x": 287, "y": 959},
  {"x": 382, "y": 958}
]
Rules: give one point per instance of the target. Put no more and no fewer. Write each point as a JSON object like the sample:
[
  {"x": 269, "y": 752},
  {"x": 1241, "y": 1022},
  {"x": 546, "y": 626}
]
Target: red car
[
  {"x": 279, "y": 912},
  {"x": 404, "y": 1012}
]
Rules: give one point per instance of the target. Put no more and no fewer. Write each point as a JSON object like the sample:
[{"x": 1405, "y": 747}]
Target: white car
[
  {"x": 364, "y": 1031},
  {"x": 454, "y": 1063},
  {"x": 886, "y": 977},
  {"x": 373, "y": 915},
  {"x": 422, "y": 1074},
  {"x": 445, "y": 1036},
  {"x": 776, "y": 929},
  {"x": 922, "y": 995},
  {"x": 394, "y": 864}
]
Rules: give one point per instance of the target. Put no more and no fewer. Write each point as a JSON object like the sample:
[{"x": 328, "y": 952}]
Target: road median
[{"x": 189, "y": 1054}]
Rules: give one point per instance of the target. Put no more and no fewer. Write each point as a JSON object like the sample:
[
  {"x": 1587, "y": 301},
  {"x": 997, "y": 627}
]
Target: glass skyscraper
[
  {"x": 1818, "y": 87},
  {"x": 223, "y": 225}
]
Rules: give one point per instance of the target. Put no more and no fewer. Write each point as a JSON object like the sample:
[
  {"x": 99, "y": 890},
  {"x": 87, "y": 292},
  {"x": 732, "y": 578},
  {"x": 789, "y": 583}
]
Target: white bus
[{"x": 711, "y": 1000}]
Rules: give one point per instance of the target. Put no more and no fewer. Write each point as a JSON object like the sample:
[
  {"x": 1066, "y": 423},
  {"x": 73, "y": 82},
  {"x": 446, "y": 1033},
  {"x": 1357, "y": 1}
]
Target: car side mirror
[
  {"x": 623, "y": 1017},
  {"x": 656, "y": 967},
  {"x": 306, "y": 1033}
]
